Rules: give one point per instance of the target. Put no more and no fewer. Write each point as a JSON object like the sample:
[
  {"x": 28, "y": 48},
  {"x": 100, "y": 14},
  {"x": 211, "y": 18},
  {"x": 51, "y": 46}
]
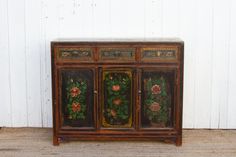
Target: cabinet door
[
  {"x": 77, "y": 98},
  {"x": 117, "y": 98},
  {"x": 157, "y": 98}
]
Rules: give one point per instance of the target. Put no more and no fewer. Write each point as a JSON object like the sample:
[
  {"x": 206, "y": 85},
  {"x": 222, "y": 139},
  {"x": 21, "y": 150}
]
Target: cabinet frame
[{"x": 173, "y": 135}]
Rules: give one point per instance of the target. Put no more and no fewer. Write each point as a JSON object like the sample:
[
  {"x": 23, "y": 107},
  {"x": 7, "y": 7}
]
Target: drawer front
[
  {"x": 77, "y": 53},
  {"x": 159, "y": 54},
  {"x": 117, "y": 54}
]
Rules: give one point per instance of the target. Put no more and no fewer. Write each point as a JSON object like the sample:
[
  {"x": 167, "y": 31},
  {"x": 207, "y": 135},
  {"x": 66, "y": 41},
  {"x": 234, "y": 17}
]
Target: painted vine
[
  {"x": 117, "y": 100},
  {"x": 76, "y": 95},
  {"x": 157, "y": 100}
]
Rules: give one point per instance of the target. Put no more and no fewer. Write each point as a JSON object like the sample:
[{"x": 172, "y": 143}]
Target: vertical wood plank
[
  {"x": 153, "y": 18},
  {"x": 5, "y": 91},
  {"x": 50, "y": 23},
  {"x": 32, "y": 32},
  {"x": 171, "y": 18},
  {"x": 188, "y": 27},
  {"x": 203, "y": 56},
  {"x": 118, "y": 17},
  {"x": 101, "y": 19},
  {"x": 232, "y": 72},
  {"x": 75, "y": 18},
  {"x": 127, "y": 18},
  {"x": 18, "y": 80},
  {"x": 221, "y": 21}
]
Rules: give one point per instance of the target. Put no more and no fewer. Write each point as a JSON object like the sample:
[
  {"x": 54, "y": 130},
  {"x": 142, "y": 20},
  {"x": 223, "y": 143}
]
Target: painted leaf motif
[
  {"x": 117, "y": 98},
  {"x": 76, "y": 93},
  {"x": 157, "y": 99}
]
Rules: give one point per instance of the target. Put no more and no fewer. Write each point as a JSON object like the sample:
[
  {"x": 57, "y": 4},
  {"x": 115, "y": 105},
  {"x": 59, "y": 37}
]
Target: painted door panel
[
  {"x": 157, "y": 99},
  {"x": 77, "y": 97}
]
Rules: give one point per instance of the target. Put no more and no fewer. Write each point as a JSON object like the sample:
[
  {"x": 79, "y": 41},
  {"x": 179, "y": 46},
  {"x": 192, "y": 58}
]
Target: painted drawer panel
[
  {"x": 159, "y": 54},
  {"x": 120, "y": 54},
  {"x": 78, "y": 53}
]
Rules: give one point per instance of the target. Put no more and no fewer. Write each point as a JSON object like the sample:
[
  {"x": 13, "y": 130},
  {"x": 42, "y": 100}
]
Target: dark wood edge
[
  {"x": 119, "y": 132},
  {"x": 179, "y": 138},
  {"x": 54, "y": 108},
  {"x": 104, "y": 43},
  {"x": 165, "y": 139}
]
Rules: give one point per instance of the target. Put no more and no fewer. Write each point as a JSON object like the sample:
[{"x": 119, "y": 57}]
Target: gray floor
[{"x": 32, "y": 142}]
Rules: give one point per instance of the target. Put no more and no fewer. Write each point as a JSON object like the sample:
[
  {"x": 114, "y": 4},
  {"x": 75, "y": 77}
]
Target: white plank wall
[
  {"x": 206, "y": 26},
  {"x": 203, "y": 67},
  {"x": 5, "y": 90},
  {"x": 32, "y": 50},
  {"x": 232, "y": 72},
  {"x": 17, "y": 54},
  {"x": 188, "y": 26}
]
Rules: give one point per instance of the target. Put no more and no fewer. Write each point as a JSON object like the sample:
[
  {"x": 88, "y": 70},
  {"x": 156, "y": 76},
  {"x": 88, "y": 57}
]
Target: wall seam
[{"x": 9, "y": 60}]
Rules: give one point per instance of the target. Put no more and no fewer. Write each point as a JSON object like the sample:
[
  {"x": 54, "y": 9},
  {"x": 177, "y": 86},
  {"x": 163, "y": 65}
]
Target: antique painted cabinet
[{"x": 117, "y": 90}]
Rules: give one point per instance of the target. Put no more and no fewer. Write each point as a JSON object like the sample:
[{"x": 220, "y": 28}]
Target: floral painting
[
  {"x": 117, "y": 98},
  {"x": 156, "y": 100},
  {"x": 77, "y": 97}
]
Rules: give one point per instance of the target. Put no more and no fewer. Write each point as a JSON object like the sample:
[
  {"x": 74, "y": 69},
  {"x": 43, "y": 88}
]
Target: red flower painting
[
  {"x": 155, "y": 107},
  {"x": 113, "y": 113},
  {"x": 75, "y": 91},
  {"x": 76, "y": 107},
  {"x": 116, "y": 101},
  {"x": 116, "y": 88},
  {"x": 156, "y": 89}
]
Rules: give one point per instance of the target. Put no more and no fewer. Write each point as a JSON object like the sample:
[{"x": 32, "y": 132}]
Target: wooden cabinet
[{"x": 117, "y": 90}]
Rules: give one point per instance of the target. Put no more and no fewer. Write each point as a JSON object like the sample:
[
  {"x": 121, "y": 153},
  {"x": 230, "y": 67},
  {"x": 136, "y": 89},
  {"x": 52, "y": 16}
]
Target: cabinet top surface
[{"x": 118, "y": 40}]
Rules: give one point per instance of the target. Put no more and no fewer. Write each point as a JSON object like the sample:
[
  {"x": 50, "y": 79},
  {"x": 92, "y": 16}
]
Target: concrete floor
[{"x": 34, "y": 142}]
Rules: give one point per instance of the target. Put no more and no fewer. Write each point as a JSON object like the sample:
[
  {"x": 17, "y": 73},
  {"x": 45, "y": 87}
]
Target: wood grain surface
[{"x": 28, "y": 142}]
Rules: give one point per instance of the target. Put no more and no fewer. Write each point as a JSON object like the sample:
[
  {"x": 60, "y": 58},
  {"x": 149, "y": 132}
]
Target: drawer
[
  {"x": 149, "y": 54},
  {"x": 116, "y": 54},
  {"x": 81, "y": 54}
]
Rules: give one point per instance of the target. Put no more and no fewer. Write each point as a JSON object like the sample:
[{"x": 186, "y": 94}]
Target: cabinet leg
[
  {"x": 179, "y": 141},
  {"x": 55, "y": 141}
]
